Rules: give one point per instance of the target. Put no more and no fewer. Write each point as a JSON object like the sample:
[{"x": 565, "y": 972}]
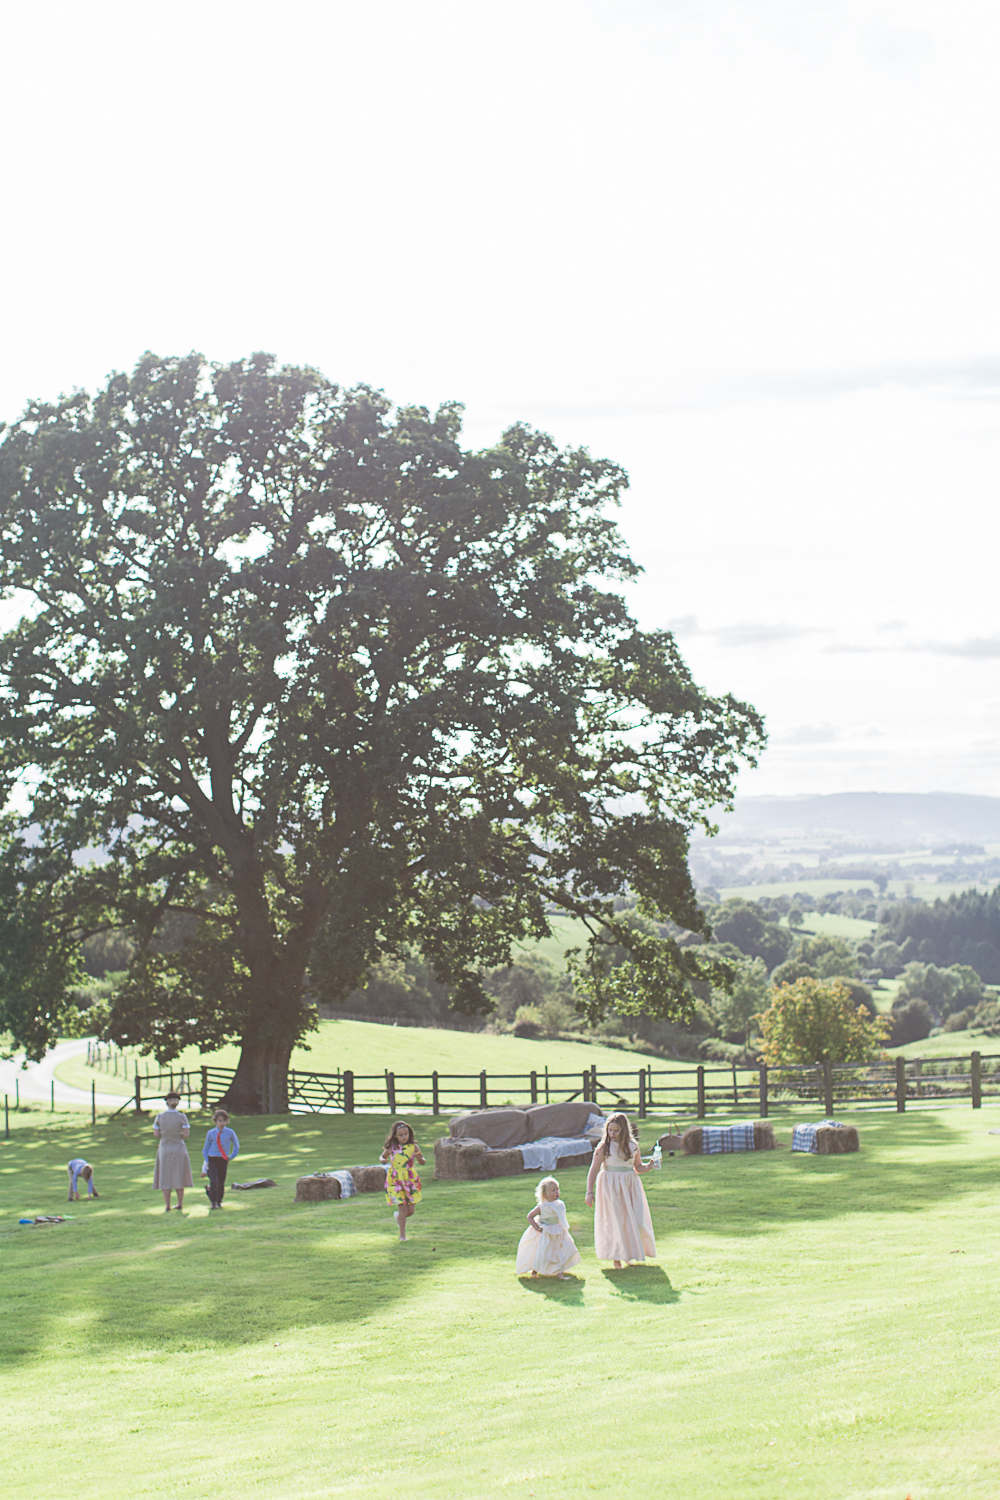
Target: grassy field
[
  {"x": 950, "y": 1044},
  {"x": 926, "y": 890},
  {"x": 815, "y": 1328},
  {"x": 367, "y": 1048}
]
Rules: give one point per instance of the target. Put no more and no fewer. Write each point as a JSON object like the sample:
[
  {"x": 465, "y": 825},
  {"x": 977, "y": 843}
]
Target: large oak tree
[{"x": 299, "y": 681}]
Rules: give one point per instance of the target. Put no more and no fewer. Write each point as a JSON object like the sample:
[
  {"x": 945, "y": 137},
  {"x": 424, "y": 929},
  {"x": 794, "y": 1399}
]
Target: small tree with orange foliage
[{"x": 814, "y": 1020}]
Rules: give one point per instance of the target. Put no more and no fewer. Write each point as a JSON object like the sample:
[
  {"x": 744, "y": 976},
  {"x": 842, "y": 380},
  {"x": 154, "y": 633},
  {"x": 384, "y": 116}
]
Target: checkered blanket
[
  {"x": 347, "y": 1188},
  {"x": 726, "y": 1138},
  {"x": 804, "y": 1136}
]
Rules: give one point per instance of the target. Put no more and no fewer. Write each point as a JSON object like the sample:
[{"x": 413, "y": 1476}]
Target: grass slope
[
  {"x": 370, "y": 1049},
  {"x": 816, "y": 1328}
]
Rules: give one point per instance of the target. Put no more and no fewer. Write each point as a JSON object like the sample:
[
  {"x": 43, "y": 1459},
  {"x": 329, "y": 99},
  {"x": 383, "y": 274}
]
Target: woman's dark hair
[{"x": 391, "y": 1138}]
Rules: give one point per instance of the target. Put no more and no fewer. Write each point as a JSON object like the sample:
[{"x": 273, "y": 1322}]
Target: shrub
[
  {"x": 815, "y": 1019},
  {"x": 911, "y": 1022}
]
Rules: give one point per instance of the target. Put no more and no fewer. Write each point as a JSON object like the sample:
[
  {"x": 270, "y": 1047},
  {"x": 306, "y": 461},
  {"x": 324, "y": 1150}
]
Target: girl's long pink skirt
[{"x": 623, "y": 1229}]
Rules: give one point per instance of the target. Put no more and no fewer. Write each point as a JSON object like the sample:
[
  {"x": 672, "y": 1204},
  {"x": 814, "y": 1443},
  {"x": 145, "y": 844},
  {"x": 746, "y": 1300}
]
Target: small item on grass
[
  {"x": 259, "y": 1182},
  {"x": 48, "y": 1219}
]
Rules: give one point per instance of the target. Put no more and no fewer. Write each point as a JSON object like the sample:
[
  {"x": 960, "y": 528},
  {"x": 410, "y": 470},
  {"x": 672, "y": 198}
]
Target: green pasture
[
  {"x": 814, "y": 1328},
  {"x": 925, "y": 890},
  {"x": 950, "y": 1044},
  {"x": 367, "y": 1048}
]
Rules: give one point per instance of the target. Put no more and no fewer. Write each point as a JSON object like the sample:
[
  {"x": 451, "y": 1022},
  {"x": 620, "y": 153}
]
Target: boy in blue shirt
[
  {"x": 220, "y": 1147},
  {"x": 79, "y": 1168}
]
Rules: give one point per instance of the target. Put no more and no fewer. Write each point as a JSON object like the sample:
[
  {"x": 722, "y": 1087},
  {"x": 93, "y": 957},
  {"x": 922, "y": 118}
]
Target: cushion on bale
[
  {"x": 499, "y": 1128},
  {"x": 368, "y": 1179},
  {"x": 316, "y": 1189},
  {"x": 569, "y": 1118}
]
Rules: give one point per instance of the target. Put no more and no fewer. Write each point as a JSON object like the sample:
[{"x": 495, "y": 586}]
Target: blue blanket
[
  {"x": 804, "y": 1136},
  {"x": 716, "y": 1138}
]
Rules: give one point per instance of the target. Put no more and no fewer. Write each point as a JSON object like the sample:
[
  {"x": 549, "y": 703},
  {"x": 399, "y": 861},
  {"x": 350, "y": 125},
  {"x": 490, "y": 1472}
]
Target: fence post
[
  {"x": 828, "y": 1088},
  {"x": 701, "y": 1091},
  {"x": 434, "y": 1094},
  {"x": 900, "y": 1085},
  {"x": 138, "y": 1093},
  {"x": 534, "y": 1087},
  {"x": 585, "y": 1091},
  {"x": 52, "y": 1099},
  {"x": 762, "y": 1077},
  {"x": 204, "y": 1088},
  {"x": 390, "y": 1091},
  {"x": 976, "y": 1064},
  {"x": 93, "y": 1102},
  {"x": 348, "y": 1092},
  {"x": 546, "y": 1083},
  {"x": 482, "y": 1090},
  {"x": 6, "y": 1120},
  {"x": 642, "y": 1093}
]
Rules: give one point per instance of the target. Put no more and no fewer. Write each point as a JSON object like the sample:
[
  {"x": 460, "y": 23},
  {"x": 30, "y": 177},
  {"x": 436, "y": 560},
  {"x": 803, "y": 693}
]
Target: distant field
[
  {"x": 923, "y": 890},
  {"x": 367, "y": 1048},
  {"x": 951, "y": 1044}
]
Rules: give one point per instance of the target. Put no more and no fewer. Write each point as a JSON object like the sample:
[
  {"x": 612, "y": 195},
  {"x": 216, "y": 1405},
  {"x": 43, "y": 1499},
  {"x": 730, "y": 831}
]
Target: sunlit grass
[{"x": 816, "y": 1327}]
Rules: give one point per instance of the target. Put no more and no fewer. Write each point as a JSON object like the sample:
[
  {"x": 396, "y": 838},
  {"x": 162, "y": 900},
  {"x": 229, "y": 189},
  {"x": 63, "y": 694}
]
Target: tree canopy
[
  {"x": 815, "y": 1020},
  {"x": 300, "y": 683}
]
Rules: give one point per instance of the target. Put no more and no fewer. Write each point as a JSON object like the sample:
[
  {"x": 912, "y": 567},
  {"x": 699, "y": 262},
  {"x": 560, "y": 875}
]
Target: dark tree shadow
[
  {"x": 568, "y": 1292},
  {"x": 642, "y": 1284}
]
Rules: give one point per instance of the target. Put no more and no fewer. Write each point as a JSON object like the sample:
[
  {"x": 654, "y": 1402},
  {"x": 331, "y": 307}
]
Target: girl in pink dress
[{"x": 623, "y": 1229}]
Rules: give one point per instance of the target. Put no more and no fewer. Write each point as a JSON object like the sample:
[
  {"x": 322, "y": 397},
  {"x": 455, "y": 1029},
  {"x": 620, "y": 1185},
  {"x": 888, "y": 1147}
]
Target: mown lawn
[
  {"x": 815, "y": 1327},
  {"x": 367, "y": 1048}
]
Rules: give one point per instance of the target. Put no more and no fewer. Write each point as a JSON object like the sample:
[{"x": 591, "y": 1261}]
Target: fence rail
[{"x": 696, "y": 1091}]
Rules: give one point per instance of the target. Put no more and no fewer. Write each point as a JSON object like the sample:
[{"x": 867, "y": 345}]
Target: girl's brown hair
[
  {"x": 627, "y": 1142},
  {"x": 391, "y": 1139}
]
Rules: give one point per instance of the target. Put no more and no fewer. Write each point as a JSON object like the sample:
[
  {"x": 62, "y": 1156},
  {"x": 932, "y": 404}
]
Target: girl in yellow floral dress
[{"x": 402, "y": 1185}]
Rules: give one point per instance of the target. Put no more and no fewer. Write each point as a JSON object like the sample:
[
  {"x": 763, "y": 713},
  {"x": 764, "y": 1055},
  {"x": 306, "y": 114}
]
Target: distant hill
[{"x": 900, "y": 820}]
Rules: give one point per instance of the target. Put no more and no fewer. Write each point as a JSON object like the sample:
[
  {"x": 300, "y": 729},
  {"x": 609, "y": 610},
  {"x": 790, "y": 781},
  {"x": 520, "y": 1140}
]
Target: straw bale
[
  {"x": 316, "y": 1189},
  {"x": 691, "y": 1141},
  {"x": 368, "y": 1179},
  {"x": 459, "y": 1161},
  {"x": 836, "y": 1140},
  {"x": 503, "y": 1163},
  {"x": 582, "y": 1160},
  {"x": 763, "y": 1136}
]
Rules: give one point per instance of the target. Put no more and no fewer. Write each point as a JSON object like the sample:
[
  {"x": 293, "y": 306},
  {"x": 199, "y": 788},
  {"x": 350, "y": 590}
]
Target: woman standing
[
  {"x": 623, "y": 1229},
  {"x": 172, "y": 1172}
]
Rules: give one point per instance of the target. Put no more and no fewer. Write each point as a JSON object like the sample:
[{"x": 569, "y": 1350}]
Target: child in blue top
[
  {"x": 218, "y": 1151},
  {"x": 79, "y": 1168}
]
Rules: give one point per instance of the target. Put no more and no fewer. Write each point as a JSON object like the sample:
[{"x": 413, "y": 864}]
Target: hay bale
[
  {"x": 316, "y": 1189},
  {"x": 460, "y": 1161},
  {"x": 368, "y": 1179},
  {"x": 584, "y": 1160},
  {"x": 763, "y": 1136},
  {"x": 503, "y": 1163},
  {"x": 691, "y": 1141},
  {"x": 836, "y": 1140}
]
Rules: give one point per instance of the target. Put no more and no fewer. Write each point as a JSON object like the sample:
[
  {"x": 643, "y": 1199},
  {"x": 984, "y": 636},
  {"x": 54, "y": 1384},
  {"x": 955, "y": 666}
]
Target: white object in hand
[{"x": 657, "y": 1156}]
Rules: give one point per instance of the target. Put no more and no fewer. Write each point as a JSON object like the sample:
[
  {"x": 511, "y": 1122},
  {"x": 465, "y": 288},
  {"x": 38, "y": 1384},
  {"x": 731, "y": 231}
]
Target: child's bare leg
[{"x": 404, "y": 1213}]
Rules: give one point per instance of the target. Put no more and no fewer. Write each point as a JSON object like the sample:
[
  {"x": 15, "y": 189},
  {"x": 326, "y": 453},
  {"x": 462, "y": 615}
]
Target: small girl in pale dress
[
  {"x": 623, "y": 1229},
  {"x": 546, "y": 1247}
]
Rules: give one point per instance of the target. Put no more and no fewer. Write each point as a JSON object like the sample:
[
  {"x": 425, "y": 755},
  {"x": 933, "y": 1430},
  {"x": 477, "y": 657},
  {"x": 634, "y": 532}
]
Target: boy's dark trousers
[{"x": 217, "y": 1168}]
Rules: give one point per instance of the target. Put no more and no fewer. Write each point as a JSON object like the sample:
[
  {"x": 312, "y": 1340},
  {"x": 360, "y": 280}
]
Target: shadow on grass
[
  {"x": 642, "y": 1284},
  {"x": 125, "y": 1276},
  {"x": 568, "y": 1292}
]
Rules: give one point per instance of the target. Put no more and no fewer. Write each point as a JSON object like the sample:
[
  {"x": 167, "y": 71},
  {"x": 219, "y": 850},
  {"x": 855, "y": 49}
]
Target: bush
[
  {"x": 815, "y": 1019},
  {"x": 959, "y": 1020},
  {"x": 911, "y": 1022}
]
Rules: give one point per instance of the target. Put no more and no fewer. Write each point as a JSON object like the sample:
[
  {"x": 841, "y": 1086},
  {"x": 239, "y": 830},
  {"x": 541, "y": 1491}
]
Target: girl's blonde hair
[
  {"x": 391, "y": 1138},
  {"x": 541, "y": 1186},
  {"x": 627, "y": 1142}
]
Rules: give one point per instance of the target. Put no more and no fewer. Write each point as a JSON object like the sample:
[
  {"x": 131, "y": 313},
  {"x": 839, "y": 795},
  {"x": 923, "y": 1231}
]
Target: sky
[{"x": 746, "y": 248}]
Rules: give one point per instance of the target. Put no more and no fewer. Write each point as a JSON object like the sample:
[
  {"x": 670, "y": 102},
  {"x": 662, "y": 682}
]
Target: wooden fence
[{"x": 699, "y": 1092}]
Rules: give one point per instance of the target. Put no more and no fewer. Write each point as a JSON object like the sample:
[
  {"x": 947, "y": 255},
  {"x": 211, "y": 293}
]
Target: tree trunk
[{"x": 261, "y": 1083}]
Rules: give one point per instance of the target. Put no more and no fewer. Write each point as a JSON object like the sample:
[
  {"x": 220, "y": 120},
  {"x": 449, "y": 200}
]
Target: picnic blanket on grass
[
  {"x": 543, "y": 1155},
  {"x": 716, "y": 1138},
  {"x": 804, "y": 1136}
]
